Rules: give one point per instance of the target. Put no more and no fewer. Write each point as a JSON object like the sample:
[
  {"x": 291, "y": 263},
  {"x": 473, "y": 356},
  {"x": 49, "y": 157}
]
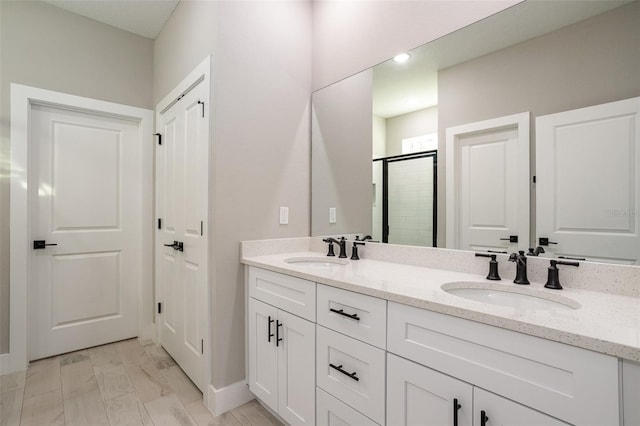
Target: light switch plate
[
  {"x": 332, "y": 215},
  {"x": 284, "y": 215}
]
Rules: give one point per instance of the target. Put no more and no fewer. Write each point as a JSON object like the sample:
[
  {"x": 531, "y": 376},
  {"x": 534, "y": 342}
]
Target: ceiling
[
  {"x": 142, "y": 17},
  {"x": 413, "y": 85}
]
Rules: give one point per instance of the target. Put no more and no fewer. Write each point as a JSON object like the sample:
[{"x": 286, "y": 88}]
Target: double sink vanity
[{"x": 412, "y": 335}]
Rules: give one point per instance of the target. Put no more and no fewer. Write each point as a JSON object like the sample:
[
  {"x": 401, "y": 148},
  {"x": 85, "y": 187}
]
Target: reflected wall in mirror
[{"x": 539, "y": 58}]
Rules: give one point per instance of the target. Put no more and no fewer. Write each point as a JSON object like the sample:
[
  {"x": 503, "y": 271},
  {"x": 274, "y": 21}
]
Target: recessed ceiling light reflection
[{"x": 402, "y": 57}]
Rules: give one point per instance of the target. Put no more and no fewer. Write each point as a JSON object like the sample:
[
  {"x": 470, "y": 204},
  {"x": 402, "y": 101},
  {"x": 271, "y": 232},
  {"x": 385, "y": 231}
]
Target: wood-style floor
[{"x": 122, "y": 383}]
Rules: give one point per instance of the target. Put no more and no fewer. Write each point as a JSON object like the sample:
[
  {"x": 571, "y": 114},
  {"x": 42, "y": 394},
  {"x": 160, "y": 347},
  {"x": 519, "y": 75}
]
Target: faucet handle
[
  {"x": 536, "y": 251},
  {"x": 354, "y": 251},
  {"x": 330, "y": 241},
  {"x": 553, "y": 276},
  {"x": 493, "y": 266}
]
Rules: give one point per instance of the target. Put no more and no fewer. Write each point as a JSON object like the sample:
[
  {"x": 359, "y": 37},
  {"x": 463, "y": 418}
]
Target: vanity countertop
[{"x": 606, "y": 323}]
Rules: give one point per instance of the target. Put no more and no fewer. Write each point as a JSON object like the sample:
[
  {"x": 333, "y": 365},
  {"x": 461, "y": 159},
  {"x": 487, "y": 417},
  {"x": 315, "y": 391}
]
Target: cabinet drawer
[
  {"x": 572, "y": 384},
  {"x": 288, "y": 293},
  {"x": 358, "y": 374},
  {"x": 333, "y": 412},
  {"x": 359, "y": 316}
]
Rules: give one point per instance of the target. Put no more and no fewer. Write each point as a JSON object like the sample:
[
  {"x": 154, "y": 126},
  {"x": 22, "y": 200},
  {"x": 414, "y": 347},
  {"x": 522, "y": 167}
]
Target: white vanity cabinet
[
  {"x": 326, "y": 356},
  {"x": 281, "y": 348},
  {"x": 425, "y": 397},
  {"x": 574, "y": 385}
]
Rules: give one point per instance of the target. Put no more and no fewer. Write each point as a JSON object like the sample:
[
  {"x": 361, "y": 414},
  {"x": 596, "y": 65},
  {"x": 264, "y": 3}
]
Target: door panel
[
  {"x": 423, "y": 396},
  {"x": 503, "y": 412},
  {"x": 83, "y": 291},
  {"x": 182, "y": 206},
  {"x": 488, "y": 184},
  {"x": 581, "y": 155},
  {"x": 488, "y": 190},
  {"x": 263, "y": 358},
  {"x": 296, "y": 370},
  {"x": 85, "y": 287}
]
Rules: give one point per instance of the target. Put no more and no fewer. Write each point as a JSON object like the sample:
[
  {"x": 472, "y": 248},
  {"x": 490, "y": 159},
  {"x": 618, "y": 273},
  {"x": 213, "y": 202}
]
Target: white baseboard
[
  {"x": 220, "y": 401},
  {"x": 5, "y": 364}
]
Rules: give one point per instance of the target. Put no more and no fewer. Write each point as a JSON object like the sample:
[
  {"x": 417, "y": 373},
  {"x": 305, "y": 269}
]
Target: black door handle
[
  {"x": 269, "y": 333},
  {"x": 177, "y": 245},
  {"x": 543, "y": 241},
  {"x": 483, "y": 418},
  {"x": 456, "y": 407},
  {"x": 40, "y": 244},
  {"x": 511, "y": 239},
  {"x": 278, "y": 338}
]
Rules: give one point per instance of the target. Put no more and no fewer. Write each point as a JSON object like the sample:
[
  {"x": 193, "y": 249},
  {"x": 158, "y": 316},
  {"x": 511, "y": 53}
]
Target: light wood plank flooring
[{"x": 123, "y": 383}]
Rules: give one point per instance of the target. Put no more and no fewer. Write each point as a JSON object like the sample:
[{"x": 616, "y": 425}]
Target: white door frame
[
  {"x": 201, "y": 74},
  {"x": 519, "y": 121},
  {"x": 22, "y": 99}
]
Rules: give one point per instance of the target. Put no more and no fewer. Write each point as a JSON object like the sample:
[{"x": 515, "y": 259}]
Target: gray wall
[
  {"x": 260, "y": 142},
  {"x": 416, "y": 123},
  {"x": 351, "y": 36},
  {"x": 588, "y": 63},
  {"x": 342, "y": 130},
  {"x": 50, "y": 48}
]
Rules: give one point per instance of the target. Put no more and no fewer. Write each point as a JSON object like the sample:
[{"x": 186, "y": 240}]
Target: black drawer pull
[
  {"x": 341, "y": 312},
  {"x": 351, "y": 375}
]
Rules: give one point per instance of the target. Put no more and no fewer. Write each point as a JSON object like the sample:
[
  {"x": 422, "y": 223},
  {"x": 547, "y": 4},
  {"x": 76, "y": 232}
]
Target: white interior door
[
  {"x": 588, "y": 180},
  {"x": 182, "y": 209},
  {"x": 487, "y": 185},
  {"x": 85, "y": 168}
]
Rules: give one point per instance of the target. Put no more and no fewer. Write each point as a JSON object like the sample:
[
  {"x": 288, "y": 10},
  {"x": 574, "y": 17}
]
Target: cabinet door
[
  {"x": 331, "y": 411},
  {"x": 499, "y": 411},
  {"x": 296, "y": 369},
  {"x": 423, "y": 397},
  {"x": 263, "y": 360}
]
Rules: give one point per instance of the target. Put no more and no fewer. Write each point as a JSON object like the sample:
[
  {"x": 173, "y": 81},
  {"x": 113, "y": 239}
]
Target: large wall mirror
[{"x": 518, "y": 131}]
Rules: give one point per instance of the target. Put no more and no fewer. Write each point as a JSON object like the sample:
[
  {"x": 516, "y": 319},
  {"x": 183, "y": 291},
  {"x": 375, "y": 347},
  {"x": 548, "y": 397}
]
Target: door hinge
[
  {"x": 159, "y": 307},
  {"x": 202, "y": 346},
  {"x": 202, "y": 103},
  {"x": 534, "y": 178},
  {"x": 201, "y": 227},
  {"x": 159, "y": 138},
  {"x": 159, "y": 223}
]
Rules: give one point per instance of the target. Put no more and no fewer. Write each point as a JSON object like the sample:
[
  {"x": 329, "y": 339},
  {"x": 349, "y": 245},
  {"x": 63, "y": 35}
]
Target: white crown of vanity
[{"x": 384, "y": 342}]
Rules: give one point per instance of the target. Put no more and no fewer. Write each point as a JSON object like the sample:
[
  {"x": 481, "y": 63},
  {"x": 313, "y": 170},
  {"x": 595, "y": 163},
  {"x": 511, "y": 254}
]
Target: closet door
[
  {"x": 181, "y": 241},
  {"x": 588, "y": 182}
]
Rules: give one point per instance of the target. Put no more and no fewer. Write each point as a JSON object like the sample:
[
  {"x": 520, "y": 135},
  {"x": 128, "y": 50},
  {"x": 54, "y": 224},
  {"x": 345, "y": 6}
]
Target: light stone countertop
[{"x": 606, "y": 323}]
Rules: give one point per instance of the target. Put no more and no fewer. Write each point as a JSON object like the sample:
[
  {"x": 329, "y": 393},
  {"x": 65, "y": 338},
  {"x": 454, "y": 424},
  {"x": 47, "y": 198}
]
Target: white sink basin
[
  {"x": 516, "y": 297},
  {"x": 317, "y": 262}
]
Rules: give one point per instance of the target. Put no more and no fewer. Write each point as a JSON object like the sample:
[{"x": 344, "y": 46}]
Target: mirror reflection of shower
[{"x": 405, "y": 144}]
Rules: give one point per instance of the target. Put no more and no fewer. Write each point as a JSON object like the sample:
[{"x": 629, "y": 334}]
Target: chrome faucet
[{"x": 521, "y": 267}]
